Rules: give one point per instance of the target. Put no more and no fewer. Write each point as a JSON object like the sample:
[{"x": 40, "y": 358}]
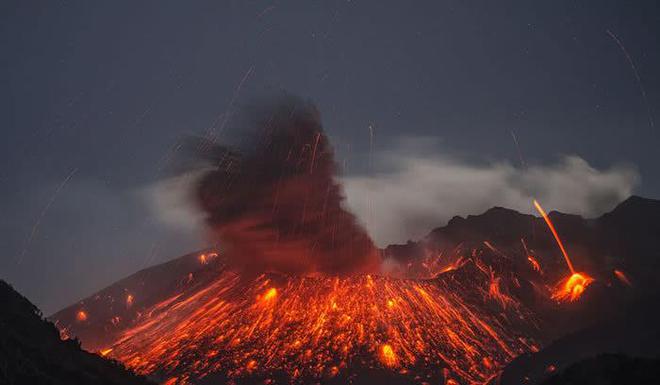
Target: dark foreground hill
[
  {"x": 31, "y": 351},
  {"x": 609, "y": 369},
  {"x": 626, "y": 345}
]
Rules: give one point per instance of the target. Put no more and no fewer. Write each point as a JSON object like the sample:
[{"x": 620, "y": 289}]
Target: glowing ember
[
  {"x": 535, "y": 264},
  {"x": 387, "y": 355},
  {"x": 129, "y": 300},
  {"x": 81, "y": 316},
  {"x": 572, "y": 288},
  {"x": 311, "y": 328},
  {"x": 105, "y": 352},
  {"x": 622, "y": 277}
]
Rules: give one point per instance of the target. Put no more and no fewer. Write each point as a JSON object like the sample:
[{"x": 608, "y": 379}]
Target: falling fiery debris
[
  {"x": 317, "y": 327},
  {"x": 571, "y": 288},
  {"x": 535, "y": 264},
  {"x": 621, "y": 276}
]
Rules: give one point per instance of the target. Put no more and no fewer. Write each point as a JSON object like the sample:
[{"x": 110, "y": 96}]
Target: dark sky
[{"x": 96, "y": 94}]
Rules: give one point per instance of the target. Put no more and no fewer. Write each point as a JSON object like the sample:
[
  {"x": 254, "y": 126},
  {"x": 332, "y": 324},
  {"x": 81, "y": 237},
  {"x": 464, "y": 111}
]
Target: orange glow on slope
[
  {"x": 129, "y": 300},
  {"x": 571, "y": 288},
  {"x": 312, "y": 327},
  {"x": 554, "y": 233},
  {"x": 452, "y": 266},
  {"x": 622, "y": 277}
]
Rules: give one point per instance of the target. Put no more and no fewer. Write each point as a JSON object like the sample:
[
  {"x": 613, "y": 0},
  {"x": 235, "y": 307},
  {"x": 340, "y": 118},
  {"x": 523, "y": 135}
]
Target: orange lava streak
[
  {"x": 535, "y": 264},
  {"x": 105, "y": 352},
  {"x": 571, "y": 288},
  {"x": 554, "y": 233}
]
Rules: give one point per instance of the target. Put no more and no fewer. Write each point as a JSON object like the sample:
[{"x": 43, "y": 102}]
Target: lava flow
[
  {"x": 571, "y": 288},
  {"x": 302, "y": 329}
]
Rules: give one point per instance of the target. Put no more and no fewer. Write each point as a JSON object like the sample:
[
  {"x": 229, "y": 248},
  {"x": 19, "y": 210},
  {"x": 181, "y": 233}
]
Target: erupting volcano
[
  {"x": 296, "y": 329},
  {"x": 462, "y": 326},
  {"x": 294, "y": 292}
]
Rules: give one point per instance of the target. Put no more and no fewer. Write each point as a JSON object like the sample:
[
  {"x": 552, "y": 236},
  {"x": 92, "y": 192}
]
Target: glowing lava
[
  {"x": 317, "y": 327},
  {"x": 387, "y": 355},
  {"x": 571, "y": 288}
]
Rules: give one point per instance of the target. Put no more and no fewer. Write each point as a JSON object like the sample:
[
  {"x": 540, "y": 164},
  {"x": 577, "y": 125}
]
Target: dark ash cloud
[{"x": 273, "y": 203}]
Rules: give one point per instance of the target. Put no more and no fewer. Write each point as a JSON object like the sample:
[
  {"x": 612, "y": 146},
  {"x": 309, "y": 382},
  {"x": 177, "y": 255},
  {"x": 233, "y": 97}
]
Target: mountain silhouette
[{"x": 31, "y": 351}]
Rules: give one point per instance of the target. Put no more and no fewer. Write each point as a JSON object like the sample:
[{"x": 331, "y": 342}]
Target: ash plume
[{"x": 274, "y": 204}]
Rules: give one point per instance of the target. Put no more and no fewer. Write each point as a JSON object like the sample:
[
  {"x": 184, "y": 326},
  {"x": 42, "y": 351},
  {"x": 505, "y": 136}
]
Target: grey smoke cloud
[
  {"x": 413, "y": 193},
  {"x": 171, "y": 202}
]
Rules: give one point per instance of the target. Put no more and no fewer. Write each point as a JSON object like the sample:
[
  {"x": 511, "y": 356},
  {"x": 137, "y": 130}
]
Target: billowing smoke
[
  {"x": 416, "y": 192},
  {"x": 274, "y": 204}
]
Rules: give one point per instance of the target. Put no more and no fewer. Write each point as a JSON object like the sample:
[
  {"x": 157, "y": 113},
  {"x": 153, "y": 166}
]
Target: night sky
[{"x": 96, "y": 95}]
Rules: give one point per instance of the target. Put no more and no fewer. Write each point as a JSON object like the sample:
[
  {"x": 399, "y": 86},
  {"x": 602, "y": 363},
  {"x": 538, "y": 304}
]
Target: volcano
[
  {"x": 295, "y": 293},
  {"x": 292, "y": 329},
  {"x": 464, "y": 302}
]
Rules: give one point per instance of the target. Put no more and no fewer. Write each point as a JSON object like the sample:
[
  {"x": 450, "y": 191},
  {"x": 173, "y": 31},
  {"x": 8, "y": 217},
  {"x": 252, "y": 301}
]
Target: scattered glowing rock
[
  {"x": 388, "y": 356},
  {"x": 81, "y": 316},
  {"x": 270, "y": 294}
]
